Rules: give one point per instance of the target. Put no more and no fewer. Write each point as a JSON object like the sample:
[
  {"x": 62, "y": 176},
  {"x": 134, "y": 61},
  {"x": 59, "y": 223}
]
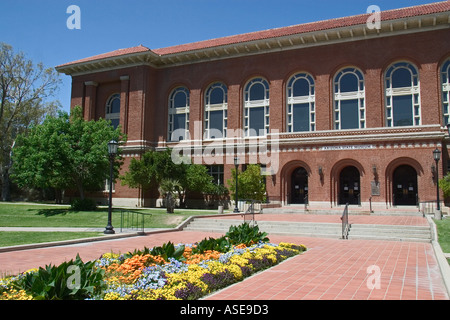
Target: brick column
[
  {"x": 124, "y": 97},
  {"x": 90, "y": 98}
]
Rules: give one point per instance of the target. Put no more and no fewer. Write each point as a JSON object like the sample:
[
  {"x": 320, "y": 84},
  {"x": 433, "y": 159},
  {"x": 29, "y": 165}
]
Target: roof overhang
[{"x": 211, "y": 51}]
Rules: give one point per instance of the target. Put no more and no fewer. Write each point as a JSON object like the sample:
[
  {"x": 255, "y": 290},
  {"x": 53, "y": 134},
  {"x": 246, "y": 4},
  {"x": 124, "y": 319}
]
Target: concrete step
[
  {"x": 325, "y": 230},
  {"x": 391, "y": 232}
]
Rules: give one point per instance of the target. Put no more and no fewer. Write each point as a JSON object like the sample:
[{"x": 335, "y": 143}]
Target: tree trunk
[
  {"x": 6, "y": 186},
  {"x": 6, "y": 182}
]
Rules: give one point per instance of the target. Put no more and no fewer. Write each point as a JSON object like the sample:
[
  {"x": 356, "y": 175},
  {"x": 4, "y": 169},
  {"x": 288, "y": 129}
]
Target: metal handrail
[
  {"x": 130, "y": 220},
  {"x": 345, "y": 224},
  {"x": 251, "y": 211}
]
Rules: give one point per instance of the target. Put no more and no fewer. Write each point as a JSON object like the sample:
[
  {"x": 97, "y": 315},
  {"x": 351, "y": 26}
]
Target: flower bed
[
  {"x": 147, "y": 277},
  {"x": 181, "y": 272}
]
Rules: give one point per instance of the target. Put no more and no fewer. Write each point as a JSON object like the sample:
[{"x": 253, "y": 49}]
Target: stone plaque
[{"x": 375, "y": 188}]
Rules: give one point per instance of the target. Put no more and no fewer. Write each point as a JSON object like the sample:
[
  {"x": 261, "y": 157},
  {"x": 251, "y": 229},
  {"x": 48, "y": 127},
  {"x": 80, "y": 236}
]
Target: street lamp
[
  {"x": 112, "y": 151},
  {"x": 437, "y": 157},
  {"x": 236, "y": 165}
]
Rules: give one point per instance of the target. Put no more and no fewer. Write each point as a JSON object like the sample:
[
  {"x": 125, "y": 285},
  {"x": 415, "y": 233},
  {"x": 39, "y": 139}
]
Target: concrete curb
[{"x": 440, "y": 256}]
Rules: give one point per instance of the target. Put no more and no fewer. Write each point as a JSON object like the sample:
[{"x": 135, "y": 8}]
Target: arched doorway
[
  {"x": 299, "y": 186},
  {"x": 350, "y": 186},
  {"x": 404, "y": 185}
]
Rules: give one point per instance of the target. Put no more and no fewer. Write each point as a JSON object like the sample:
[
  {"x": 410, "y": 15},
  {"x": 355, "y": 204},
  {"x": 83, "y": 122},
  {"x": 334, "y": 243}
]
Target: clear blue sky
[{"x": 38, "y": 27}]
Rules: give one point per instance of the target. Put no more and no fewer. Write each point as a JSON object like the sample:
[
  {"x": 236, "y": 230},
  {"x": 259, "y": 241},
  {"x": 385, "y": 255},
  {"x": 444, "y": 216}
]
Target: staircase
[
  {"x": 390, "y": 232},
  {"x": 319, "y": 230}
]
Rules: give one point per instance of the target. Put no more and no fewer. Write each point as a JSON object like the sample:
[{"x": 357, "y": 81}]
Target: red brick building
[{"x": 338, "y": 111}]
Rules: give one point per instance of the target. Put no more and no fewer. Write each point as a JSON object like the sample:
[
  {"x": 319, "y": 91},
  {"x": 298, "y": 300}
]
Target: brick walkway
[{"x": 330, "y": 269}]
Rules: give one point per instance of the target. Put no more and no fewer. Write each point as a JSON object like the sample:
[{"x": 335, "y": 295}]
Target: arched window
[
  {"x": 179, "y": 114},
  {"x": 445, "y": 81},
  {"x": 402, "y": 95},
  {"x": 349, "y": 100},
  {"x": 113, "y": 110},
  {"x": 216, "y": 114},
  {"x": 256, "y": 108},
  {"x": 301, "y": 114}
]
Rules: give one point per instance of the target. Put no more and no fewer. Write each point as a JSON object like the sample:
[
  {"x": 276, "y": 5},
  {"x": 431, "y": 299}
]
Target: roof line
[{"x": 394, "y": 14}]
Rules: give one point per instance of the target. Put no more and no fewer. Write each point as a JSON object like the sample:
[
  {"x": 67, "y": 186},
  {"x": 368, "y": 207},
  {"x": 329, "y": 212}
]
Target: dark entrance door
[
  {"x": 405, "y": 186},
  {"x": 299, "y": 186},
  {"x": 349, "y": 189}
]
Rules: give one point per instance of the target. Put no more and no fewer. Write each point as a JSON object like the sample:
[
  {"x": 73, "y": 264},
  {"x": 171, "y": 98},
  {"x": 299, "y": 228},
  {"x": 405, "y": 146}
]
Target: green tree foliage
[
  {"x": 24, "y": 89},
  {"x": 444, "y": 184},
  {"x": 251, "y": 184},
  {"x": 154, "y": 167},
  {"x": 168, "y": 188},
  {"x": 66, "y": 152}
]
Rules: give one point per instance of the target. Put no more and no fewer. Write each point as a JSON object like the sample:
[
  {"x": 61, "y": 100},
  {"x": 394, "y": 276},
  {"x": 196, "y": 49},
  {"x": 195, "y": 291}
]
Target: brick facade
[{"x": 376, "y": 151}]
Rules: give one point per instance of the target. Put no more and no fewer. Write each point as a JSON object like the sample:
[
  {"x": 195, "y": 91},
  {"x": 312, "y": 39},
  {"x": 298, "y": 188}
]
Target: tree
[
  {"x": 24, "y": 87},
  {"x": 168, "y": 188},
  {"x": 156, "y": 166},
  {"x": 251, "y": 184},
  {"x": 444, "y": 184},
  {"x": 66, "y": 152}
]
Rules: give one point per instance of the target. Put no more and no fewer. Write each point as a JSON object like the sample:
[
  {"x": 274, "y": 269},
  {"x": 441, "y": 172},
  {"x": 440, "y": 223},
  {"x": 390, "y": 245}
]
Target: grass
[
  {"x": 29, "y": 215},
  {"x": 13, "y": 238},
  {"x": 40, "y": 215},
  {"x": 443, "y": 228}
]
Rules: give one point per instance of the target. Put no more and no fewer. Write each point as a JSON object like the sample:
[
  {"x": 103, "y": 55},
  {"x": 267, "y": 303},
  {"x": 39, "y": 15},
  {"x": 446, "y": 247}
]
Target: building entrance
[
  {"x": 405, "y": 186},
  {"x": 349, "y": 186},
  {"x": 299, "y": 186}
]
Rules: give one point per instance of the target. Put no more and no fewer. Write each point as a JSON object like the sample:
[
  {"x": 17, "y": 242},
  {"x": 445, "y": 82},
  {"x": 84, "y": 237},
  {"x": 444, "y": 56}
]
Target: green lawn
[
  {"x": 13, "y": 238},
  {"x": 443, "y": 228},
  {"x": 29, "y": 215},
  {"x": 36, "y": 215}
]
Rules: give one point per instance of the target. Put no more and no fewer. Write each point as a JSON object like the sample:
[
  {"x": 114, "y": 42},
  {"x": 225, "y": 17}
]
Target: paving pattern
[{"x": 330, "y": 269}]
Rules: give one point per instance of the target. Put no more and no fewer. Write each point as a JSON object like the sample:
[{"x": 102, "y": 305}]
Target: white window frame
[
  {"x": 250, "y": 104},
  {"x": 108, "y": 114},
  {"x": 174, "y": 111},
  {"x": 413, "y": 91},
  {"x": 359, "y": 95},
  {"x": 216, "y": 107},
  {"x": 445, "y": 85},
  {"x": 293, "y": 100}
]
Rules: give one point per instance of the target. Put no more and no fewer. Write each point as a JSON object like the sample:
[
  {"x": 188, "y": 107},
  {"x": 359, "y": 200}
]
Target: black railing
[
  {"x": 345, "y": 224},
  {"x": 133, "y": 220},
  {"x": 249, "y": 214}
]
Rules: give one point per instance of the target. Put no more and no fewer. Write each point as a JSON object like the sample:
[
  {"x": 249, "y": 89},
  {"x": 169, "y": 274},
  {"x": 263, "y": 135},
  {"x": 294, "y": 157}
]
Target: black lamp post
[
  {"x": 112, "y": 151},
  {"x": 236, "y": 165},
  {"x": 437, "y": 157}
]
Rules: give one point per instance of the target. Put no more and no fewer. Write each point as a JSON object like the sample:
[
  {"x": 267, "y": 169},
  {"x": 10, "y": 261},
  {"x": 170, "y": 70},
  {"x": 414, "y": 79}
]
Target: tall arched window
[
  {"x": 349, "y": 100},
  {"x": 402, "y": 95},
  {"x": 216, "y": 114},
  {"x": 445, "y": 81},
  {"x": 179, "y": 114},
  {"x": 301, "y": 114},
  {"x": 113, "y": 110},
  {"x": 256, "y": 108}
]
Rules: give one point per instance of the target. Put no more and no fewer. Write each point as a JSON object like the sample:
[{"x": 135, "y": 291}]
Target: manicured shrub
[{"x": 83, "y": 205}]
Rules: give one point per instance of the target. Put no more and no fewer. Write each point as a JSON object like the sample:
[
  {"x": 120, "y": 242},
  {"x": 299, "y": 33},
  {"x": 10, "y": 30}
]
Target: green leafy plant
[
  {"x": 221, "y": 245},
  {"x": 73, "y": 280},
  {"x": 167, "y": 250},
  {"x": 245, "y": 234}
]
